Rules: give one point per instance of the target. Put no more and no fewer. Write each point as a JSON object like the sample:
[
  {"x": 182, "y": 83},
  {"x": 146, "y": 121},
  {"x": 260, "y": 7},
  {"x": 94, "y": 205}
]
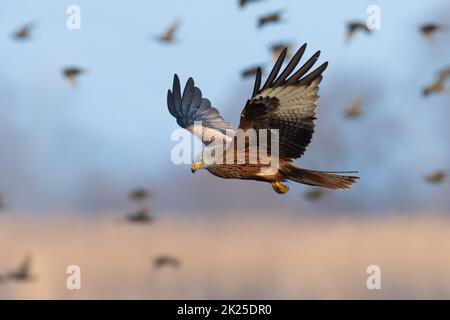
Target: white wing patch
[{"x": 209, "y": 135}]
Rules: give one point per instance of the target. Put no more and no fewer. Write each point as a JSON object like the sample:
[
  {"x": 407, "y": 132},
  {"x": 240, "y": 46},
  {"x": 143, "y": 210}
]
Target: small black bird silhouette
[
  {"x": 439, "y": 85},
  {"x": 353, "y": 27},
  {"x": 22, "y": 273},
  {"x": 429, "y": 29},
  {"x": 436, "y": 177},
  {"x": 165, "y": 260},
  {"x": 24, "y": 32},
  {"x": 139, "y": 194},
  {"x": 71, "y": 74},
  {"x": 140, "y": 216},
  {"x": 2, "y": 202},
  {"x": 169, "y": 35},
  {"x": 277, "y": 49},
  {"x": 354, "y": 110},
  {"x": 314, "y": 194},
  {"x": 243, "y": 3},
  {"x": 251, "y": 71},
  {"x": 269, "y": 18}
]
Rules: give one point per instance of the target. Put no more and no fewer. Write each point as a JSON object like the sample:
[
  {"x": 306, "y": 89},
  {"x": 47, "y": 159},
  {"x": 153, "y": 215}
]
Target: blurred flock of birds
[{"x": 141, "y": 215}]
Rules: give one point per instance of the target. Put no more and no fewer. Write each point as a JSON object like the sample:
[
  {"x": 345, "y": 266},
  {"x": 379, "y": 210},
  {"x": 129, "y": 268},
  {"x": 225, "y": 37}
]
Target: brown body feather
[{"x": 286, "y": 171}]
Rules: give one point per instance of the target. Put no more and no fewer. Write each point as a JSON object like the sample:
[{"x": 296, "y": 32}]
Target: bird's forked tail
[{"x": 323, "y": 179}]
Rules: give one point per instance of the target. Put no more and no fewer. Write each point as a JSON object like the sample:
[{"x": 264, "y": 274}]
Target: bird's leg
[{"x": 279, "y": 188}]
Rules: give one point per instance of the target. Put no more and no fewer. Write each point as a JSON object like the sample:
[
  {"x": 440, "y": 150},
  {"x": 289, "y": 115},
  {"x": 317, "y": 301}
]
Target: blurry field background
[
  {"x": 70, "y": 155},
  {"x": 282, "y": 257}
]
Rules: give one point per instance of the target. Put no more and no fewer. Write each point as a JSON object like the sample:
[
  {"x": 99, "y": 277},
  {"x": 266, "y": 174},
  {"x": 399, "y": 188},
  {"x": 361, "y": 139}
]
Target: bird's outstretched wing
[
  {"x": 190, "y": 109},
  {"x": 170, "y": 32},
  {"x": 25, "y": 266},
  {"x": 444, "y": 74},
  {"x": 286, "y": 102}
]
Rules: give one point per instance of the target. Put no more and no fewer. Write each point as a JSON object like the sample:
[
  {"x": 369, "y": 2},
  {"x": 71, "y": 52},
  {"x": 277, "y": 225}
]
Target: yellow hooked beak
[{"x": 195, "y": 167}]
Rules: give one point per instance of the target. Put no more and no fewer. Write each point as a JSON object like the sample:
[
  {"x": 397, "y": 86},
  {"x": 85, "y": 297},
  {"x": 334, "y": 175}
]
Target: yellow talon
[{"x": 279, "y": 188}]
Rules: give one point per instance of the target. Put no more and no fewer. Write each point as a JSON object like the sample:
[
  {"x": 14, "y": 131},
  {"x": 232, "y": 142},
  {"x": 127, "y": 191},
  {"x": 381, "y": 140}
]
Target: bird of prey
[
  {"x": 285, "y": 103},
  {"x": 243, "y": 3},
  {"x": 24, "y": 32},
  {"x": 429, "y": 29},
  {"x": 352, "y": 27},
  {"x": 140, "y": 216},
  {"x": 169, "y": 35},
  {"x": 22, "y": 273},
  {"x": 436, "y": 177},
  {"x": 250, "y": 71},
  {"x": 314, "y": 194},
  {"x": 162, "y": 261},
  {"x": 71, "y": 74},
  {"x": 439, "y": 85},
  {"x": 269, "y": 18},
  {"x": 277, "y": 48},
  {"x": 354, "y": 110}
]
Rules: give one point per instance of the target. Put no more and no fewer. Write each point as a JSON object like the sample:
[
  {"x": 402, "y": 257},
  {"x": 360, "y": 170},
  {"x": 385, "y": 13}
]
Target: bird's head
[
  {"x": 197, "y": 166},
  {"x": 204, "y": 160}
]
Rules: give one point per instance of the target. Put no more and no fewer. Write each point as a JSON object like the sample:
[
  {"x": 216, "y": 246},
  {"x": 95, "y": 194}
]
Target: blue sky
[{"x": 113, "y": 130}]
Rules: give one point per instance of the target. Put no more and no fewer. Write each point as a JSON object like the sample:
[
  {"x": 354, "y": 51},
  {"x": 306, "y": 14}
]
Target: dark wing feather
[
  {"x": 291, "y": 66},
  {"x": 275, "y": 70},
  {"x": 286, "y": 103},
  {"x": 191, "y": 107},
  {"x": 257, "y": 82},
  {"x": 304, "y": 69}
]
